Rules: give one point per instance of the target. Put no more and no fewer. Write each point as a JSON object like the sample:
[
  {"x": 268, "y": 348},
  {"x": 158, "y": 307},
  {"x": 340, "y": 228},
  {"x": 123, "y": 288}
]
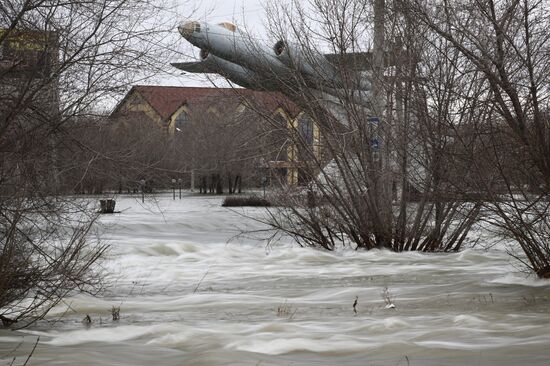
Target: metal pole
[{"x": 174, "y": 189}]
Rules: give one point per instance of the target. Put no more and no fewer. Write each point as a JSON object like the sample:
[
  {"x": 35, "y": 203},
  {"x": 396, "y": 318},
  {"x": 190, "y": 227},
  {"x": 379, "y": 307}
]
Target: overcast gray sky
[{"x": 249, "y": 12}]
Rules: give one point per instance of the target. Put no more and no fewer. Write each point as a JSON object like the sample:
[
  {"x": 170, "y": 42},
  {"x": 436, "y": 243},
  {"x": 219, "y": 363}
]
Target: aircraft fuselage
[
  {"x": 247, "y": 62},
  {"x": 232, "y": 46}
]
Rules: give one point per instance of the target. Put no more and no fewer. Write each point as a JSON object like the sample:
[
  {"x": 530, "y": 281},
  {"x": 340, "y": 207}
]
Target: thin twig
[
  {"x": 30, "y": 355},
  {"x": 198, "y": 284}
]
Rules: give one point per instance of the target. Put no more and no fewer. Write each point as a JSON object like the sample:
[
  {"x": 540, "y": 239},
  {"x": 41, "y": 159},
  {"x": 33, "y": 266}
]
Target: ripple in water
[{"x": 187, "y": 297}]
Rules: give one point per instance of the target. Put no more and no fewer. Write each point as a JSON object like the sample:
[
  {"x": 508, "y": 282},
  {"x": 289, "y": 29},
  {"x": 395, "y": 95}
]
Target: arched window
[
  {"x": 181, "y": 120},
  {"x": 305, "y": 129}
]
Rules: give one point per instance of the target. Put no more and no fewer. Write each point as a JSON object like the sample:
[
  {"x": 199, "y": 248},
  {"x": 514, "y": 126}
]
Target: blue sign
[
  {"x": 373, "y": 120},
  {"x": 374, "y": 144}
]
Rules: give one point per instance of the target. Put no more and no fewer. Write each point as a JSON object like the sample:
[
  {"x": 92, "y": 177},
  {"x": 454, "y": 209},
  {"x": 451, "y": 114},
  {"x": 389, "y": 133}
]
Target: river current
[{"x": 191, "y": 291}]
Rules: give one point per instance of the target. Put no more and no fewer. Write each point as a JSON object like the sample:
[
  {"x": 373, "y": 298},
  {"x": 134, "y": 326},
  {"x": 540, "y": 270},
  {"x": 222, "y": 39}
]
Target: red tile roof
[{"x": 166, "y": 100}]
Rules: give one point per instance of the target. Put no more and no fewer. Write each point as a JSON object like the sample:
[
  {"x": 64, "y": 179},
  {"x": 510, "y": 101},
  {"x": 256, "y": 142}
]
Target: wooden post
[{"x": 107, "y": 206}]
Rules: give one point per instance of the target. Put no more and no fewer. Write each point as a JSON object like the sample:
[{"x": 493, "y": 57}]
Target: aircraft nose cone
[{"x": 186, "y": 29}]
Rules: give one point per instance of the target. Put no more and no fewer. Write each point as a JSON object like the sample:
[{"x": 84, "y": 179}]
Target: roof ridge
[{"x": 166, "y": 100}]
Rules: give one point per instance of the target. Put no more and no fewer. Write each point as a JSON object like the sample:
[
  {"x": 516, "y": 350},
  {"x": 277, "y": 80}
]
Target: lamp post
[
  {"x": 264, "y": 182},
  {"x": 263, "y": 169},
  {"x": 142, "y": 184},
  {"x": 174, "y": 189}
]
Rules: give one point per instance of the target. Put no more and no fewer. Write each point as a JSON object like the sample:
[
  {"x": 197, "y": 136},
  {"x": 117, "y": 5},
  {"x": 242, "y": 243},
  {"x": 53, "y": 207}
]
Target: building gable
[{"x": 134, "y": 103}]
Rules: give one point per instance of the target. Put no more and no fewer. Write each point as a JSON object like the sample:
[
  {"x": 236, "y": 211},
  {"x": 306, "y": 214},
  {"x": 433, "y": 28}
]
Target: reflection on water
[{"x": 188, "y": 297}]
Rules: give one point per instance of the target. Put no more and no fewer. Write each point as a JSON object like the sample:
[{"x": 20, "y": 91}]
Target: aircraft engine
[
  {"x": 203, "y": 54},
  {"x": 317, "y": 69},
  {"x": 310, "y": 63},
  {"x": 236, "y": 73}
]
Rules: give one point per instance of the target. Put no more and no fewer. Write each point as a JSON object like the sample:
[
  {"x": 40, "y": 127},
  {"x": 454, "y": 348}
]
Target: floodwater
[{"x": 189, "y": 295}]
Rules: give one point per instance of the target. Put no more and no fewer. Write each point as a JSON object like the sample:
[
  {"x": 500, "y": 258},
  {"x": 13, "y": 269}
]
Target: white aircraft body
[{"x": 243, "y": 60}]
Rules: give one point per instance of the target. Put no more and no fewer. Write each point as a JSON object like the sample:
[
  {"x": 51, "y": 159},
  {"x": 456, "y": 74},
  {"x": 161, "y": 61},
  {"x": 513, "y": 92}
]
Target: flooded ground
[{"x": 188, "y": 297}]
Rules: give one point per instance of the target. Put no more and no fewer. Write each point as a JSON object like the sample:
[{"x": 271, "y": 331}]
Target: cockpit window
[
  {"x": 229, "y": 26},
  {"x": 197, "y": 28}
]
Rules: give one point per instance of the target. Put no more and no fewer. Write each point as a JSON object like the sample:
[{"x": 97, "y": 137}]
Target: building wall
[
  {"x": 289, "y": 162},
  {"x": 29, "y": 107},
  {"x": 136, "y": 103}
]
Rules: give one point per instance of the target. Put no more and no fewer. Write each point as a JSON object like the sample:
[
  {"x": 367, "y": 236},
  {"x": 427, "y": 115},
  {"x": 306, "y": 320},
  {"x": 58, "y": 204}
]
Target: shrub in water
[{"x": 245, "y": 201}]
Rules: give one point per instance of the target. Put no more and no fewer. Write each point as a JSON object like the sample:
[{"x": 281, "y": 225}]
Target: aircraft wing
[
  {"x": 358, "y": 61},
  {"x": 195, "y": 67}
]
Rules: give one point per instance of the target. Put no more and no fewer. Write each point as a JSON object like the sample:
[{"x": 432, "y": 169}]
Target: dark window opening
[
  {"x": 181, "y": 120},
  {"x": 305, "y": 128}
]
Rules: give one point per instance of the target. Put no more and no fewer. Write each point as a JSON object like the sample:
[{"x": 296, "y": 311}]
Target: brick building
[
  {"x": 268, "y": 114},
  {"x": 29, "y": 107}
]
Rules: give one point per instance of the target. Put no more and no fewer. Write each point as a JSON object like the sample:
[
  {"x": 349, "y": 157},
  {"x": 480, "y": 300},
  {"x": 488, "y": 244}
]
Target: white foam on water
[
  {"x": 182, "y": 284},
  {"x": 278, "y": 346},
  {"x": 521, "y": 279},
  {"x": 100, "y": 334},
  {"x": 469, "y": 321}
]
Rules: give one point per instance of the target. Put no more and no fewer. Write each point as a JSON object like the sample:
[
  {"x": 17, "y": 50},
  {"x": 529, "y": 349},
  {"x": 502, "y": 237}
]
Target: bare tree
[
  {"x": 375, "y": 182},
  {"x": 506, "y": 43},
  {"x": 224, "y": 142},
  {"x": 60, "y": 61},
  {"x": 114, "y": 154}
]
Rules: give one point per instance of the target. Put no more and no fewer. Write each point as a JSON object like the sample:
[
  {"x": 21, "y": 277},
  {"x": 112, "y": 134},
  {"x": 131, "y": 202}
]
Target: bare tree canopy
[
  {"x": 505, "y": 44},
  {"x": 449, "y": 124},
  {"x": 60, "y": 61}
]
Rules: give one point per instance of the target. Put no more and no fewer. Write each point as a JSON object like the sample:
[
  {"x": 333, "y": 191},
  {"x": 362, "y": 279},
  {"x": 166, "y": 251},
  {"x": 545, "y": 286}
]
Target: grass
[{"x": 286, "y": 311}]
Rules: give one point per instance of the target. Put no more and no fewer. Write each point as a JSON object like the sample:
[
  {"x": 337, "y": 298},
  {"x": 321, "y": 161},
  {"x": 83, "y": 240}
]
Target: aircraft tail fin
[{"x": 194, "y": 67}]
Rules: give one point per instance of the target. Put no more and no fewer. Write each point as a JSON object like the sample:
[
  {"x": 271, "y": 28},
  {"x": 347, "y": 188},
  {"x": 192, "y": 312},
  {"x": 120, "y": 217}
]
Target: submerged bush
[{"x": 254, "y": 201}]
